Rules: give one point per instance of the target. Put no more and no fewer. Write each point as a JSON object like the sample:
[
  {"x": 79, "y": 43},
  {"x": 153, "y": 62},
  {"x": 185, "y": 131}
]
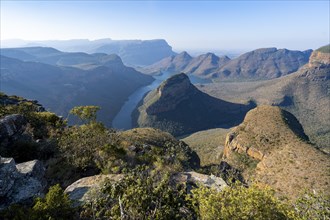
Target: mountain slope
[
  {"x": 270, "y": 148},
  {"x": 183, "y": 62},
  {"x": 132, "y": 52},
  {"x": 61, "y": 88},
  {"x": 175, "y": 63},
  {"x": 178, "y": 107},
  {"x": 304, "y": 93},
  {"x": 52, "y": 56},
  {"x": 205, "y": 64},
  {"x": 266, "y": 63}
]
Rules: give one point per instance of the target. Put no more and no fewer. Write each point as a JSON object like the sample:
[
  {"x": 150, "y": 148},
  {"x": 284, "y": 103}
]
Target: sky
[{"x": 185, "y": 25}]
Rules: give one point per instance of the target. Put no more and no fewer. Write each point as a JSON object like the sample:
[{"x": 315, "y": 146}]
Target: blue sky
[{"x": 186, "y": 25}]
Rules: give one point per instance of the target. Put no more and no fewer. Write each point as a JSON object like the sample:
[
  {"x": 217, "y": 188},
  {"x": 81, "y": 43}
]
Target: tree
[
  {"x": 85, "y": 113},
  {"x": 55, "y": 205}
]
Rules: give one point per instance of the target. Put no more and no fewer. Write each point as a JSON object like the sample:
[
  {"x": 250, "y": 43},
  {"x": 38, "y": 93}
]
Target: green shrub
[
  {"x": 140, "y": 196},
  {"x": 239, "y": 202},
  {"x": 311, "y": 205},
  {"x": 56, "y": 205}
]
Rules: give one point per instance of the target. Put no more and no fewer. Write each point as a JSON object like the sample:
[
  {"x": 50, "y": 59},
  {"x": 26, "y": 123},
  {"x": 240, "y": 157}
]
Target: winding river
[{"x": 123, "y": 119}]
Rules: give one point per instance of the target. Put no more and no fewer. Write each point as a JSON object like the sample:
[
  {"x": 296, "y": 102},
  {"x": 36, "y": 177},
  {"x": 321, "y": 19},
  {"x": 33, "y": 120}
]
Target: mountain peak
[
  {"x": 176, "y": 87},
  {"x": 184, "y": 54},
  {"x": 170, "y": 93}
]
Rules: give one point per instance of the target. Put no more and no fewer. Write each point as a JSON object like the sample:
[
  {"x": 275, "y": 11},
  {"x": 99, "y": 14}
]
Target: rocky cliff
[
  {"x": 319, "y": 58},
  {"x": 270, "y": 148}
]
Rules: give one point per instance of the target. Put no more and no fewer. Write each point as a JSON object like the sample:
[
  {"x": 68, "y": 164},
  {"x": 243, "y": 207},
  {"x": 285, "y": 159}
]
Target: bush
[
  {"x": 90, "y": 145},
  {"x": 56, "y": 205},
  {"x": 140, "y": 196},
  {"x": 239, "y": 202},
  {"x": 312, "y": 206}
]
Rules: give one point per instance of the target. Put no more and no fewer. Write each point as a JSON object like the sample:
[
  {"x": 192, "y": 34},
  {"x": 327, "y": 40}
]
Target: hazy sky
[{"x": 213, "y": 25}]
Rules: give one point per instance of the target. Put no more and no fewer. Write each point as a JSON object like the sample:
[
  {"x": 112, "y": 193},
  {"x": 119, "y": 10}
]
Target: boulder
[
  {"x": 194, "y": 178},
  {"x": 11, "y": 127},
  {"x": 20, "y": 183},
  {"x": 81, "y": 190}
]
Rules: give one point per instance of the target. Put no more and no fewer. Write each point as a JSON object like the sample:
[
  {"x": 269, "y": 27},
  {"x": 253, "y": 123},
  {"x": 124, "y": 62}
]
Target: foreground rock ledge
[{"x": 82, "y": 190}]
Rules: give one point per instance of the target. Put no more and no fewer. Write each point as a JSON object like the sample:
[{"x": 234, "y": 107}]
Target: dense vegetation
[{"x": 147, "y": 159}]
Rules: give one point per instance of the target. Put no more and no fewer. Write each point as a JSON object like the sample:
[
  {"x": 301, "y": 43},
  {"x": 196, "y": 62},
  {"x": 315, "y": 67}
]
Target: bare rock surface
[{"x": 20, "y": 183}]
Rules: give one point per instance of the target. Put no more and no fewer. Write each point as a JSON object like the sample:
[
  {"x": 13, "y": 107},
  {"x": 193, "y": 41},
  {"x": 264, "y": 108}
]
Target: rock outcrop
[
  {"x": 11, "y": 128},
  {"x": 20, "y": 183},
  {"x": 194, "y": 178},
  {"x": 270, "y": 148},
  {"x": 81, "y": 190},
  {"x": 319, "y": 59}
]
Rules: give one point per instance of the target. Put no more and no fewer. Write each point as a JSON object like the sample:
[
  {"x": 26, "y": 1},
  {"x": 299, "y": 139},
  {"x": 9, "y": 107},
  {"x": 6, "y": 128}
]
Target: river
[{"x": 123, "y": 120}]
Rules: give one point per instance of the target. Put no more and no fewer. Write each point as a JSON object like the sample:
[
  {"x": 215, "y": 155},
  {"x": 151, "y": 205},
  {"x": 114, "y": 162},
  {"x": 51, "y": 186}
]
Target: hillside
[
  {"x": 270, "y": 148},
  {"x": 265, "y": 63},
  {"x": 55, "y": 57},
  {"x": 304, "y": 93},
  {"x": 205, "y": 64},
  {"x": 132, "y": 52},
  {"x": 208, "y": 144},
  {"x": 174, "y": 63},
  {"x": 178, "y": 107},
  {"x": 102, "y": 169},
  {"x": 183, "y": 62},
  {"x": 61, "y": 88}
]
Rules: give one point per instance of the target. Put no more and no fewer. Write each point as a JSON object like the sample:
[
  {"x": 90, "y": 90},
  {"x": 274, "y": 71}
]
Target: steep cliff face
[
  {"x": 319, "y": 58},
  {"x": 178, "y": 107},
  {"x": 270, "y": 148}
]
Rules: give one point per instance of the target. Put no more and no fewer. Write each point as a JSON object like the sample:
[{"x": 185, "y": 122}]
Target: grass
[{"x": 208, "y": 145}]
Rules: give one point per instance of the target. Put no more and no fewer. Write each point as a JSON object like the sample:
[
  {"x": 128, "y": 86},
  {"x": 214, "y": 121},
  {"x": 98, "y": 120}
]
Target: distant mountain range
[
  {"x": 267, "y": 63},
  {"x": 304, "y": 93},
  {"x": 132, "y": 52},
  {"x": 61, "y": 81},
  {"x": 178, "y": 107}
]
